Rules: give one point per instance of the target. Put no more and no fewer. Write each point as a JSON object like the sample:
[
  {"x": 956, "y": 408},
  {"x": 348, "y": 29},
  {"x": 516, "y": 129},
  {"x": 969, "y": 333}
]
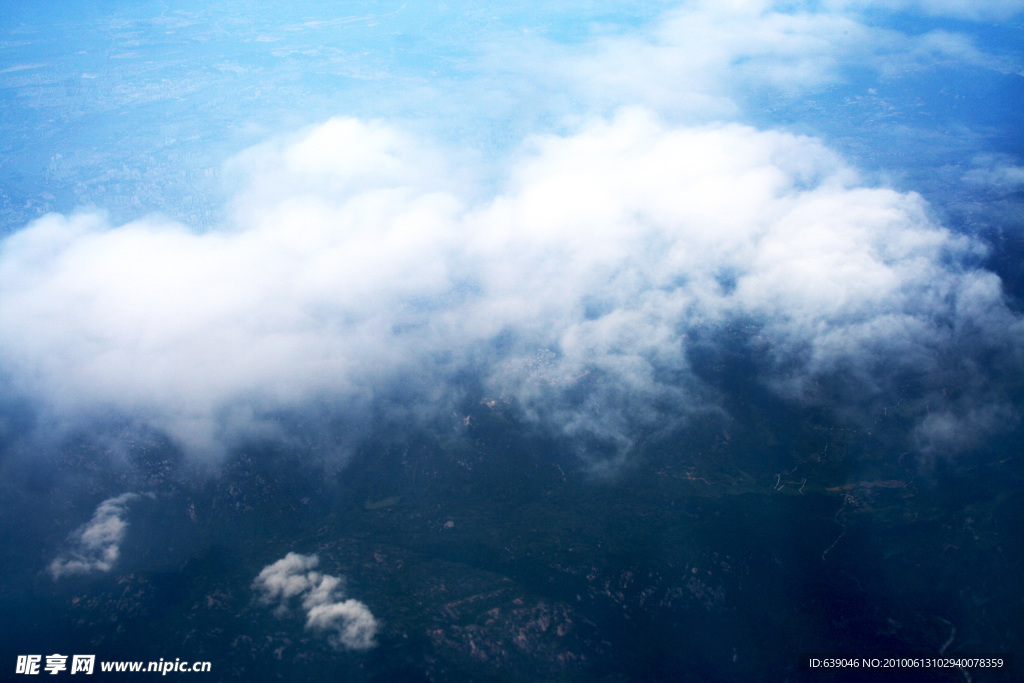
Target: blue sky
[{"x": 214, "y": 215}]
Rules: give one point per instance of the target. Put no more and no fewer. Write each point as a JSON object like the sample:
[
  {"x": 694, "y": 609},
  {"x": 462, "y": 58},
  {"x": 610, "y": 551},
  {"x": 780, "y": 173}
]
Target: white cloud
[
  {"x": 707, "y": 59},
  {"x": 587, "y": 270},
  {"x": 349, "y": 624},
  {"x": 665, "y": 230},
  {"x": 283, "y": 580},
  {"x": 96, "y": 546},
  {"x": 995, "y": 171},
  {"x": 960, "y": 427}
]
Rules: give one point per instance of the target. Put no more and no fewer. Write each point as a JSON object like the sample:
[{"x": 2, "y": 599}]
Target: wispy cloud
[
  {"x": 706, "y": 60},
  {"x": 96, "y": 546},
  {"x": 349, "y": 624},
  {"x": 996, "y": 172}
]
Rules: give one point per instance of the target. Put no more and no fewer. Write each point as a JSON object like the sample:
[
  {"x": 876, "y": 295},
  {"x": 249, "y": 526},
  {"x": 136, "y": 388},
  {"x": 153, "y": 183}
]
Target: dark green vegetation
[{"x": 722, "y": 552}]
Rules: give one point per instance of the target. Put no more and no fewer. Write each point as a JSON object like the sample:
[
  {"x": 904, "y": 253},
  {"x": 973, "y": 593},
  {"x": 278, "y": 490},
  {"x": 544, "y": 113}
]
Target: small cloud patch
[
  {"x": 349, "y": 624},
  {"x": 96, "y": 546}
]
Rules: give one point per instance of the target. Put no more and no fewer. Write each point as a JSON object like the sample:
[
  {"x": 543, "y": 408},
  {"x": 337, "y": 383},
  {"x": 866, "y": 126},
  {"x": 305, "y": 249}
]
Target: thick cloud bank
[
  {"x": 357, "y": 259},
  {"x": 349, "y": 623},
  {"x": 96, "y": 546}
]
